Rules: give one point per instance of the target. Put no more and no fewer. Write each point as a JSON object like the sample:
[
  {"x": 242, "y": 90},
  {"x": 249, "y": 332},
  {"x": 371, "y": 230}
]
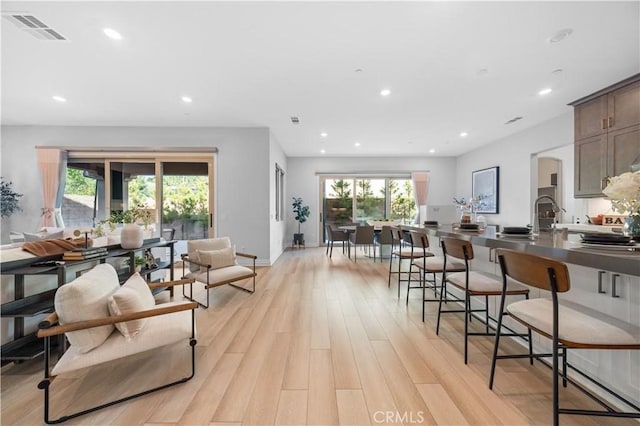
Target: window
[{"x": 279, "y": 193}]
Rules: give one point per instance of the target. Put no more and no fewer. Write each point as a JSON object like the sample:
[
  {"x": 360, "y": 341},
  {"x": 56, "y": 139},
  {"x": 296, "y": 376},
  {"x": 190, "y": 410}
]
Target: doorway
[{"x": 549, "y": 183}]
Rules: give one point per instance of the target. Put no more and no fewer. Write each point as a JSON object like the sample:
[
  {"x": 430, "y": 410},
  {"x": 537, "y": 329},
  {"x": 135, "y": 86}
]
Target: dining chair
[
  {"x": 567, "y": 324},
  {"x": 363, "y": 236},
  {"x": 473, "y": 284},
  {"x": 384, "y": 238},
  {"x": 334, "y": 234}
]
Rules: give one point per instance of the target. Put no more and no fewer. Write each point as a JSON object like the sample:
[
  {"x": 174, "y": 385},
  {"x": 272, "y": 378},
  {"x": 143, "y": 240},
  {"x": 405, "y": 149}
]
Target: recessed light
[
  {"x": 545, "y": 91},
  {"x": 385, "y": 92},
  {"x": 358, "y": 70},
  {"x": 464, "y": 134},
  {"x": 322, "y": 151},
  {"x": 112, "y": 34},
  {"x": 59, "y": 98},
  {"x": 560, "y": 35},
  {"x": 324, "y": 134},
  {"x": 557, "y": 71},
  {"x": 431, "y": 151},
  {"x": 482, "y": 72},
  {"x": 186, "y": 99},
  {"x": 357, "y": 144}
]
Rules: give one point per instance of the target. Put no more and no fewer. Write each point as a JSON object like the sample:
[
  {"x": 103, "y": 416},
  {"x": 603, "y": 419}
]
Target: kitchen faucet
[{"x": 536, "y": 219}]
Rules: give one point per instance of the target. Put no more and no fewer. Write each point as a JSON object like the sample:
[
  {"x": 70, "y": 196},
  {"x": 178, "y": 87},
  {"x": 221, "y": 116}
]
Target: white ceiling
[{"x": 260, "y": 63}]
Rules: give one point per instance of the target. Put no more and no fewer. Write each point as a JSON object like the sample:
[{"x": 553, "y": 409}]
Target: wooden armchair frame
[
  {"x": 49, "y": 328},
  {"x": 208, "y": 284}
]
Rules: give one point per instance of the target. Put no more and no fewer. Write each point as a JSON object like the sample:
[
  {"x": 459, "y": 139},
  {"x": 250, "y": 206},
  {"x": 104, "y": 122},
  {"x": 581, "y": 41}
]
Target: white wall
[
  {"x": 278, "y": 228},
  {"x": 513, "y": 155},
  {"x": 303, "y": 181},
  {"x": 242, "y": 175}
]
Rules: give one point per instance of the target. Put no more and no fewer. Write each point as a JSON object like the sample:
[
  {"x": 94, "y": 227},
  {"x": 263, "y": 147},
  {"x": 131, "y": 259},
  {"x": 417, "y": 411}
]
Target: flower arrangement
[
  {"x": 462, "y": 204},
  {"x": 624, "y": 193},
  {"x": 470, "y": 205}
]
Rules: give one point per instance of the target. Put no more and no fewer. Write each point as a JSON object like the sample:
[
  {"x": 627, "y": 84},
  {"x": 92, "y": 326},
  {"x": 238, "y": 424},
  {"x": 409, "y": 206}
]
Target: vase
[
  {"x": 631, "y": 226},
  {"x": 131, "y": 236}
]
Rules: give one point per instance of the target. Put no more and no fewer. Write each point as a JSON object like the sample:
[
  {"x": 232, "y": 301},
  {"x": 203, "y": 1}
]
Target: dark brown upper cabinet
[{"x": 607, "y": 135}]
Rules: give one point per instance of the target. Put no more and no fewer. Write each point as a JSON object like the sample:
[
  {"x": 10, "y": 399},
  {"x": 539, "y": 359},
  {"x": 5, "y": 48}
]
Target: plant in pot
[
  {"x": 139, "y": 263},
  {"x": 301, "y": 214},
  {"x": 10, "y": 199}
]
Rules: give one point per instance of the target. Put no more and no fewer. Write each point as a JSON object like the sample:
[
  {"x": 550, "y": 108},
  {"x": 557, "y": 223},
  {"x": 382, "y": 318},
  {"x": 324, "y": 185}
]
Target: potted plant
[
  {"x": 131, "y": 235},
  {"x": 301, "y": 214},
  {"x": 10, "y": 199},
  {"x": 139, "y": 263}
]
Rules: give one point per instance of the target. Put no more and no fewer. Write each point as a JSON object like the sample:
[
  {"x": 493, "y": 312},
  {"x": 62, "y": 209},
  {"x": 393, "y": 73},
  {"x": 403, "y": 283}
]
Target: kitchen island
[{"x": 549, "y": 245}]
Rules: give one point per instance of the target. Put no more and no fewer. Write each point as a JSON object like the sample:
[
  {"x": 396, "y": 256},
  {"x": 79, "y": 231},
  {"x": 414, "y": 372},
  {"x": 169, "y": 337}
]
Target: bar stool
[
  {"x": 420, "y": 244},
  {"x": 473, "y": 284},
  {"x": 401, "y": 252},
  {"x": 568, "y": 324},
  {"x": 433, "y": 265}
]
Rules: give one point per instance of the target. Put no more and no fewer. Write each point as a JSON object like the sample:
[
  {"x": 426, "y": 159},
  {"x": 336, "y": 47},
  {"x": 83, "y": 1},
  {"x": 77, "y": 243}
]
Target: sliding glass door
[
  {"x": 176, "y": 191},
  {"x": 348, "y": 200}
]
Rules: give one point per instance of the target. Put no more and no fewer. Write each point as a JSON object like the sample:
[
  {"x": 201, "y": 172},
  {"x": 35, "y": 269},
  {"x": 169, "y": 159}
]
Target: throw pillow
[
  {"x": 134, "y": 296},
  {"x": 42, "y": 236},
  {"x": 83, "y": 299},
  {"x": 193, "y": 246},
  {"x": 218, "y": 258},
  {"x": 31, "y": 237}
]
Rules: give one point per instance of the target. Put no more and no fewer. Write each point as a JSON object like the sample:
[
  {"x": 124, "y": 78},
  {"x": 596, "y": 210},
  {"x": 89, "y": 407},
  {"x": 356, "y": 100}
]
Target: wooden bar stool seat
[
  {"x": 580, "y": 326},
  {"x": 483, "y": 284}
]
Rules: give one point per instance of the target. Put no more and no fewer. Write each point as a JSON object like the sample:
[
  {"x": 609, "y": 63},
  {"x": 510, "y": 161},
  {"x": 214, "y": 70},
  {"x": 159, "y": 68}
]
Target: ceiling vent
[
  {"x": 295, "y": 120},
  {"x": 513, "y": 120},
  {"x": 33, "y": 26}
]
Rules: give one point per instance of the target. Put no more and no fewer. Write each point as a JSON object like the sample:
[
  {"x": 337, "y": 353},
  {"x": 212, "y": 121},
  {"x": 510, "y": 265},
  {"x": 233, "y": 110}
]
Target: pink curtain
[
  {"x": 420, "y": 191},
  {"x": 51, "y": 163}
]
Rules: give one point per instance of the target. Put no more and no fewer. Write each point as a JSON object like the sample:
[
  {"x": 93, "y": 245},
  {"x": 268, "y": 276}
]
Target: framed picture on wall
[{"x": 485, "y": 185}]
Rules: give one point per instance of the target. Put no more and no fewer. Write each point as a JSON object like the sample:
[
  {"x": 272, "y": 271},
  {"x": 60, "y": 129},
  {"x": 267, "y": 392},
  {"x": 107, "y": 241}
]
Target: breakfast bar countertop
[{"x": 548, "y": 245}]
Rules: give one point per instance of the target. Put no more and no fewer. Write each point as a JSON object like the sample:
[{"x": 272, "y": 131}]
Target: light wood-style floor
[{"x": 321, "y": 342}]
